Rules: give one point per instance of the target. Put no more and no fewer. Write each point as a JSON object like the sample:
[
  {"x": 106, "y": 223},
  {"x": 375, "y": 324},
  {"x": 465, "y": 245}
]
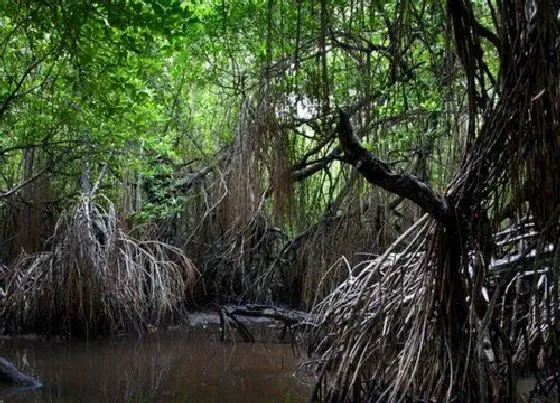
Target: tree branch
[
  {"x": 485, "y": 32},
  {"x": 305, "y": 170},
  {"x": 379, "y": 173},
  {"x": 4, "y": 194},
  {"x": 14, "y": 93}
]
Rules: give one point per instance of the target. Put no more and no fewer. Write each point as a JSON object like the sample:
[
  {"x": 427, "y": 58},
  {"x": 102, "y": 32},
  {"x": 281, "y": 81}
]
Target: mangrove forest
[{"x": 266, "y": 200}]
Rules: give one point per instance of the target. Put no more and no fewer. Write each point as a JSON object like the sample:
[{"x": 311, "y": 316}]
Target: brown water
[{"x": 187, "y": 365}]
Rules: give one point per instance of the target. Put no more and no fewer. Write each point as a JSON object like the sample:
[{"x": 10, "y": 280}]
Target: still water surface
[{"x": 187, "y": 365}]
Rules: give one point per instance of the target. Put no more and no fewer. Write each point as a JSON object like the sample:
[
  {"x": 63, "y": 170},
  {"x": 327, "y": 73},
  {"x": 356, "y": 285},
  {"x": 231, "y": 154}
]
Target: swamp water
[{"x": 184, "y": 365}]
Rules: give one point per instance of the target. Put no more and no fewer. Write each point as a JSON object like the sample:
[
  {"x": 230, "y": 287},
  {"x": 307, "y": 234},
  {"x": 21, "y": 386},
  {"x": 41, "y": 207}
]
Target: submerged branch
[{"x": 9, "y": 375}]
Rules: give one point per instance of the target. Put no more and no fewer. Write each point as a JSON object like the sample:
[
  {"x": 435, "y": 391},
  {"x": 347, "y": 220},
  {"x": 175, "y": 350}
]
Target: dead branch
[{"x": 289, "y": 318}]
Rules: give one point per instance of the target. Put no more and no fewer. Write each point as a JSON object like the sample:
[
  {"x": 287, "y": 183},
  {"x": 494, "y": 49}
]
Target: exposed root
[
  {"x": 95, "y": 278},
  {"x": 386, "y": 333},
  {"x": 366, "y": 337}
]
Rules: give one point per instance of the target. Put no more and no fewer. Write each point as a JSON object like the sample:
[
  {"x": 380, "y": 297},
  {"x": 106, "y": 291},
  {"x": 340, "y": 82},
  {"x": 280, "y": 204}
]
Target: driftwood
[
  {"x": 229, "y": 315},
  {"x": 10, "y": 376}
]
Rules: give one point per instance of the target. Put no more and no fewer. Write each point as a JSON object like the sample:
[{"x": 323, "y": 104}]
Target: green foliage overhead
[{"x": 127, "y": 83}]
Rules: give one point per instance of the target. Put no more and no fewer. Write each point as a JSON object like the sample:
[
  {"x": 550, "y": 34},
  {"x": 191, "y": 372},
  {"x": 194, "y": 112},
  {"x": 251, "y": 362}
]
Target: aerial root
[{"x": 95, "y": 278}]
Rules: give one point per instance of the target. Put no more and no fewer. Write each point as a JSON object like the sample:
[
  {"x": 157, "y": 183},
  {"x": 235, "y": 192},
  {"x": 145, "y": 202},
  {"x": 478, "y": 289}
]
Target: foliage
[
  {"x": 210, "y": 115},
  {"x": 212, "y": 126}
]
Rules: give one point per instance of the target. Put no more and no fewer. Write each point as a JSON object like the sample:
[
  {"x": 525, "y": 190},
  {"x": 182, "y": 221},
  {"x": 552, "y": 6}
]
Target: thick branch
[
  {"x": 378, "y": 173},
  {"x": 485, "y": 32}
]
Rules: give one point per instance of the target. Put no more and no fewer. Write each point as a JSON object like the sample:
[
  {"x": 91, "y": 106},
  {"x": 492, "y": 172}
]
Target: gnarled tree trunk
[{"x": 413, "y": 325}]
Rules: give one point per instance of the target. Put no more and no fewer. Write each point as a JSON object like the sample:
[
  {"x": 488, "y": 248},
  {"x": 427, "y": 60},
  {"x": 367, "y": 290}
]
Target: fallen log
[{"x": 290, "y": 318}]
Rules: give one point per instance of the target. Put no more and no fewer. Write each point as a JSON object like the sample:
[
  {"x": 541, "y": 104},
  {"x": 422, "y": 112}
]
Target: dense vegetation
[{"x": 158, "y": 154}]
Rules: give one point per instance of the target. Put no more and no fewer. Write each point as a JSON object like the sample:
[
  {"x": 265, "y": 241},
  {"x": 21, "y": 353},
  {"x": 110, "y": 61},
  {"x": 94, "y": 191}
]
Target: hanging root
[{"x": 95, "y": 279}]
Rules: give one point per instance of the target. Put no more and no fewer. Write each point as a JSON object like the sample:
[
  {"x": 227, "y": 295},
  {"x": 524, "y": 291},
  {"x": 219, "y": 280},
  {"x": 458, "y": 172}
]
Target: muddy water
[{"x": 187, "y": 365}]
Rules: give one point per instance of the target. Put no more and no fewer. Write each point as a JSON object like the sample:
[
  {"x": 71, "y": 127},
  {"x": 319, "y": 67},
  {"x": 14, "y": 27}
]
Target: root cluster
[{"x": 94, "y": 279}]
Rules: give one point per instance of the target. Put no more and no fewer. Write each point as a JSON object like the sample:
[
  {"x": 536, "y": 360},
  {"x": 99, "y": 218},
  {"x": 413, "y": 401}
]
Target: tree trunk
[{"x": 519, "y": 141}]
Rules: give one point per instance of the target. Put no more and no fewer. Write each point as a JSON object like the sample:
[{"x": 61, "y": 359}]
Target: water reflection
[{"x": 189, "y": 365}]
